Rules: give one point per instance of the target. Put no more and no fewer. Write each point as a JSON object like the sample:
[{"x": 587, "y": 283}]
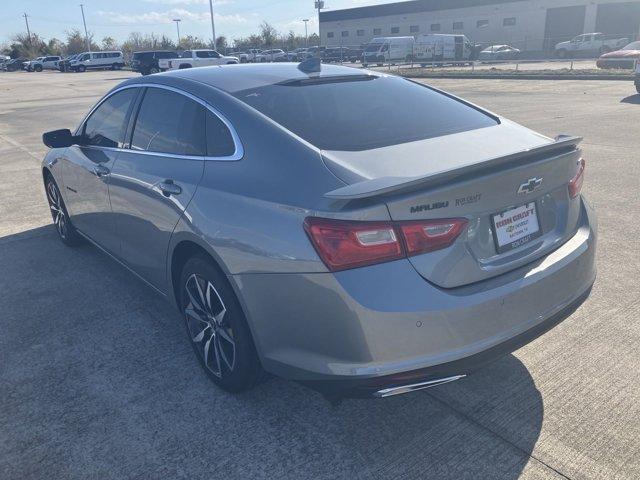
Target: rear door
[
  {"x": 87, "y": 168},
  {"x": 154, "y": 180}
]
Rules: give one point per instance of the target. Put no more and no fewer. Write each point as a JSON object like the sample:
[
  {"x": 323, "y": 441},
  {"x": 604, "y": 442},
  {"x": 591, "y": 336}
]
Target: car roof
[{"x": 235, "y": 78}]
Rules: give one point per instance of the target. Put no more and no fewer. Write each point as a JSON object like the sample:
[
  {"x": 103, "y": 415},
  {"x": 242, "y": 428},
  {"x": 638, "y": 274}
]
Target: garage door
[{"x": 563, "y": 23}]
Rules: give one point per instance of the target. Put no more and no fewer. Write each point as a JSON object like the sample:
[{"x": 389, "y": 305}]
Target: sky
[{"x": 117, "y": 18}]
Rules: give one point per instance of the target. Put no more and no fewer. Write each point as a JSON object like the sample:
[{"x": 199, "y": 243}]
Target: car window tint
[
  {"x": 107, "y": 124},
  {"x": 363, "y": 112},
  {"x": 219, "y": 139},
  {"x": 170, "y": 123}
]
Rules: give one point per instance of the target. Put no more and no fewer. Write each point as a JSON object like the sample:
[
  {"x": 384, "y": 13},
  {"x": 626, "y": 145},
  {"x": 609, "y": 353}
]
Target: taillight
[
  {"x": 422, "y": 237},
  {"x": 575, "y": 184},
  {"x": 345, "y": 244}
]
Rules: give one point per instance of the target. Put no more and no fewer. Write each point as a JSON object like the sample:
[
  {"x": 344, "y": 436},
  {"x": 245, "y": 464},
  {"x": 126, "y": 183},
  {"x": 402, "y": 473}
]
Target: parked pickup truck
[
  {"x": 589, "y": 44},
  {"x": 196, "y": 58}
]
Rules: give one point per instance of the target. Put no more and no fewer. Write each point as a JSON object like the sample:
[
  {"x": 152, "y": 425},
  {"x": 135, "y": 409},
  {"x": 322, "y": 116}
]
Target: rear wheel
[
  {"x": 217, "y": 327},
  {"x": 66, "y": 231}
]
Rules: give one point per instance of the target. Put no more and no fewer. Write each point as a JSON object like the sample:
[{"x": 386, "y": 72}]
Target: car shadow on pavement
[
  {"x": 99, "y": 380},
  {"x": 634, "y": 99}
]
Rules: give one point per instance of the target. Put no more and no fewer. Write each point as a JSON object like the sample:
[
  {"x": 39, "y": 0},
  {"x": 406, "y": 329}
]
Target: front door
[
  {"x": 87, "y": 169},
  {"x": 153, "y": 182}
]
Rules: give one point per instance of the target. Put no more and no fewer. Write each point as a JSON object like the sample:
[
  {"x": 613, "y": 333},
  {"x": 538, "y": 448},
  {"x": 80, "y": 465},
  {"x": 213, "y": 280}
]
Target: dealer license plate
[{"x": 513, "y": 228}]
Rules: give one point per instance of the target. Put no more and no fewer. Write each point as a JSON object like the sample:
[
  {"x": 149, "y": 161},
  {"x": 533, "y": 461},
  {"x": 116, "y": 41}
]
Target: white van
[
  {"x": 97, "y": 60},
  {"x": 388, "y": 50},
  {"x": 442, "y": 48}
]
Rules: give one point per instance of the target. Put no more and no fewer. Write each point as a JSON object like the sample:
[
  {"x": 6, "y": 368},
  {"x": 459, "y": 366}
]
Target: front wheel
[
  {"x": 81, "y": 69},
  {"x": 217, "y": 327},
  {"x": 38, "y": 68},
  {"x": 66, "y": 231}
]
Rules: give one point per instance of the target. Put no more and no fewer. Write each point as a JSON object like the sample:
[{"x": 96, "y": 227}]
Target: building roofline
[{"x": 402, "y": 8}]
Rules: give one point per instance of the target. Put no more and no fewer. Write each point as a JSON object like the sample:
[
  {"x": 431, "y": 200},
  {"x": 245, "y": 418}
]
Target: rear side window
[
  {"x": 363, "y": 112},
  {"x": 107, "y": 124},
  {"x": 219, "y": 139},
  {"x": 169, "y": 123}
]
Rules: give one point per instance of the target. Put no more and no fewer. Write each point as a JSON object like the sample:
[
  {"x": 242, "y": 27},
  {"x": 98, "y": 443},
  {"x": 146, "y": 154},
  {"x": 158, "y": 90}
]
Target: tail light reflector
[
  {"x": 575, "y": 184},
  {"x": 349, "y": 244}
]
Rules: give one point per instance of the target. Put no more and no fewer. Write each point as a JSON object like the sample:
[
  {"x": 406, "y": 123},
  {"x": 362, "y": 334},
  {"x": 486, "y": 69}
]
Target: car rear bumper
[{"x": 355, "y": 332}]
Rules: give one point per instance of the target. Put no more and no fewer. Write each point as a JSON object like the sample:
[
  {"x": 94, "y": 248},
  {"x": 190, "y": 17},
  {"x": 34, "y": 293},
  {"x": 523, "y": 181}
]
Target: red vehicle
[{"x": 624, "y": 58}]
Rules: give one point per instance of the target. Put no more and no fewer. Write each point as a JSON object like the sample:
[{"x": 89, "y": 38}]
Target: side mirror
[{"x": 58, "y": 138}]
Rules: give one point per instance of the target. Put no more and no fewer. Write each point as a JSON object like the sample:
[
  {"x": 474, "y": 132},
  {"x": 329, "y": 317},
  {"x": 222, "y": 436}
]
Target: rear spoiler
[{"x": 391, "y": 185}]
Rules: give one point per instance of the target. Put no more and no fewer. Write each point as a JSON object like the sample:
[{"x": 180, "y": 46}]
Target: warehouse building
[{"x": 531, "y": 25}]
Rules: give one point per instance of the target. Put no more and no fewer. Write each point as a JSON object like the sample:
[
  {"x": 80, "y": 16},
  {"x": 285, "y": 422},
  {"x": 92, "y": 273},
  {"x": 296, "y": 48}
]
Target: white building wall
[{"x": 527, "y": 34}]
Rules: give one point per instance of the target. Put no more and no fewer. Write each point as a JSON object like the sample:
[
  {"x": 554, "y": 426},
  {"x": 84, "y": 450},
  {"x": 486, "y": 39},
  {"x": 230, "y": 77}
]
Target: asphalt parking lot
[{"x": 98, "y": 379}]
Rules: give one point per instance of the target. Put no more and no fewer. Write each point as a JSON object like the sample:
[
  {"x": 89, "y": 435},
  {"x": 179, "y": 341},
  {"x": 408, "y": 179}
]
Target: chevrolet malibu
[{"x": 355, "y": 231}]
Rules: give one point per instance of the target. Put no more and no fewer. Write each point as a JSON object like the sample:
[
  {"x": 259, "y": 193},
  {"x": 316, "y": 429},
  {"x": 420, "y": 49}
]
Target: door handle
[
  {"x": 169, "y": 188},
  {"x": 101, "y": 171}
]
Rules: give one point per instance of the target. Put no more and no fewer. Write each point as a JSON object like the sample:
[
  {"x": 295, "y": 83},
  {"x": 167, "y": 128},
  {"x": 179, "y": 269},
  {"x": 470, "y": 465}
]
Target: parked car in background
[
  {"x": 336, "y": 54},
  {"x": 28, "y": 65},
  {"x": 357, "y": 232},
  {"x": 97, "y": 61},
  {"x": 624, "y": 58},
  {"x": 589, "y": 44},
  {"x": 442, "y": 48},
  {"x": 242, "y": 56},
  {"x": 312, "y": 52},
  {"x": 637, "y": 76},
  {"x": 64, "y": 65},
  {"x": 146, "y": 63},
  {"x": 45, "y": 63},
  {"x": 499, "y": 52},
  {"x": 15, "y": 64},
  {"x": 273, "y": 55},
  {"x": 388, "y": 50},
  {"x": 196, "y": 58},
  {"x": 296, "y": 55},
  {"x": 253, "y": 53}
]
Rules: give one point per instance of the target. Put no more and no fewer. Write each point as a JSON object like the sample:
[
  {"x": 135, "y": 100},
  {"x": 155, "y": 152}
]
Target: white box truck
[
  {"x": 442, "y": 48},
  {"x": 388, "y": 50}
]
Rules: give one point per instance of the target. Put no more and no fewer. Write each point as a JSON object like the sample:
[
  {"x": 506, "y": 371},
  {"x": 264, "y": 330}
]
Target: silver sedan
[{"x": 355, "y": 231}]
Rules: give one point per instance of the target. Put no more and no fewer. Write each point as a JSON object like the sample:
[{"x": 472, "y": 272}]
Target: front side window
[
  {"x": 107, "y": 124},
  {"x": 207, "y": 54},
  {"x": 364, "y": 112},
  {"x": 169, "y": 123}
]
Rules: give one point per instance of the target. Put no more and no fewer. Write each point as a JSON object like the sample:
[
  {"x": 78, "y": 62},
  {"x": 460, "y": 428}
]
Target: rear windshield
[{"x": 363, "y": 112}]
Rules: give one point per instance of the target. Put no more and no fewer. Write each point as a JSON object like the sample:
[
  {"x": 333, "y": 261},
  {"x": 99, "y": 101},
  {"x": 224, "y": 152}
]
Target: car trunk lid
[{"x": 492, "y": 176}]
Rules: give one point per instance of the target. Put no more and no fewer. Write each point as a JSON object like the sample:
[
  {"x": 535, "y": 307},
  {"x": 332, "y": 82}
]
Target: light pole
[
  {"x": 26, "y": 20},
  {"x": 178, "y": 20},
  {"x": 306, "y": 33},
  {"x": 213, "y": 25},
  {"x": 86, "y": 35},
  {"x": 319, "y": 6}
]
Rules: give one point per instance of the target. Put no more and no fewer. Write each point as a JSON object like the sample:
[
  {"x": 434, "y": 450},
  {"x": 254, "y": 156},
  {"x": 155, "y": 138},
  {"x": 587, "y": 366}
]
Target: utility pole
[
  {"x": 213, "y": 25},
  {"x": 26, "y": 20},
  {"x": 86, "y": 35},
  {"x": 319, "y": 6},
  {"x": 306, "y": 33},
  {"x": 177, "y": 20}
]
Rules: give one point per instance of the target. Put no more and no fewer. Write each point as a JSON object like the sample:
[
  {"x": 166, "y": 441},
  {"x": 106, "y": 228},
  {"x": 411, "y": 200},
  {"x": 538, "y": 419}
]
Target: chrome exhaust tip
[{"x": 389, "y": 392}]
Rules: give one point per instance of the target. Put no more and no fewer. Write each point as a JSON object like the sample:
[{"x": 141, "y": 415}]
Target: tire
[
  {"x": 216, "y": 327},
  {"x": 81, "y": 68},
  {"x": 37, "y": 68},
  {"x": 66, "y": 231},
  {"x": 183, "y": 66}
]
